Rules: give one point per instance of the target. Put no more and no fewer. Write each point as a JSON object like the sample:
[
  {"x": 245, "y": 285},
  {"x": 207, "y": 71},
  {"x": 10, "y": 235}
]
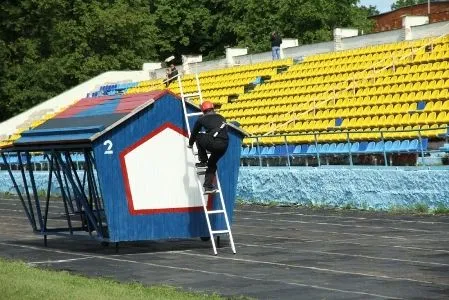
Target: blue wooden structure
[{"x": 138, "y": 180}]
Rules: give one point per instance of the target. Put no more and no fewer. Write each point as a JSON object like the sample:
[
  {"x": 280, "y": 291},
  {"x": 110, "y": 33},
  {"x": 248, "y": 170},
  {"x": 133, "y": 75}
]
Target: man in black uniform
[
  {"x": 214, "y": 140},
  {"x": 171, "y": 73}
]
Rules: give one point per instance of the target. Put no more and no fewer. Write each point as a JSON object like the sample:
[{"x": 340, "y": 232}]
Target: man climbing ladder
[{"x": 214, "y": 140}]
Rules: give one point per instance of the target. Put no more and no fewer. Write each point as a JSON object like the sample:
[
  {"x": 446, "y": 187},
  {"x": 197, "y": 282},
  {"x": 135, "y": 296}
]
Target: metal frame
[{"x": 81, "y": 206}]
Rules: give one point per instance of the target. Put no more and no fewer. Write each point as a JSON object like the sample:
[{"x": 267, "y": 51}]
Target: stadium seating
[
  {"x": 218, "y": 85},
  {"x": 398, "y": 88}
]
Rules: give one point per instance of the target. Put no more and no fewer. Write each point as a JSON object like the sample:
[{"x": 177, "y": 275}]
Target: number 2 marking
[{"x": 108, "y": 144}]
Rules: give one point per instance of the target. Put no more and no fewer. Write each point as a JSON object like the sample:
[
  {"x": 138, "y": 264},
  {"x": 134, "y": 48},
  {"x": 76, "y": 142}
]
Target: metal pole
[
  {"x": 91, "y": 188},
  {"x": 63, "y": 194},
  {"x": 420, "y": 147},
  {"x": 385, "y": 154},
  {"x": 16, "y": 187},
  {"x": 286, "y": 150},
  {"x": 34, "y": 189},
  {"x": 81, "y": 186},
  {"x": 47, "y": 202},
  {"x": 25, "y": 186},
  {"x": 350, "y": 146},
  {"x": 317, "y": 152},
  {"x": 258, "y": 151}
]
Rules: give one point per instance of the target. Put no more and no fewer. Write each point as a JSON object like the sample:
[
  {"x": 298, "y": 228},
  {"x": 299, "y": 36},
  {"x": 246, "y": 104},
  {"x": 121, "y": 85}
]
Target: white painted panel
[{"x": 161, "y": 173}]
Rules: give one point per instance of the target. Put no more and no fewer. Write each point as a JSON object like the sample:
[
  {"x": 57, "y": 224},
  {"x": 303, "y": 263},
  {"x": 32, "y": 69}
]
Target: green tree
[
  {"x": 402, "y": 3},
  {"x": 52, "y": 45}
]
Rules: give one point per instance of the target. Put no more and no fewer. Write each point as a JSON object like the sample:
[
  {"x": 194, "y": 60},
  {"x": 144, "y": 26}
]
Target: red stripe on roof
[
  {"x": 129, "y": 102},
  {"x": 83, "y": 105}
]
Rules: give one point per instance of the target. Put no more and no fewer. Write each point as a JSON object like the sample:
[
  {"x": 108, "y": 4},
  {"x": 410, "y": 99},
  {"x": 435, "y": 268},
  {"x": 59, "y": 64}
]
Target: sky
[{"x": 382, "y": 5}]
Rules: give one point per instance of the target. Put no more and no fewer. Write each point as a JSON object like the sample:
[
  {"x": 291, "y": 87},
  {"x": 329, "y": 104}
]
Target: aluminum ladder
[{"x": 201, "y": 171}]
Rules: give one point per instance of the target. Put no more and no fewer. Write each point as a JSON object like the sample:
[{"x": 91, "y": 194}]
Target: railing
[{"x": 355, "y": 145}]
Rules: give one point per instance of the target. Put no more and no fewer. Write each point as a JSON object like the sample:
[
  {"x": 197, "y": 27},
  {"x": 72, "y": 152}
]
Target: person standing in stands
[
  {"x": 214, "y": 140},
  {"x": 171, "y": 75},
  {"x": 276, "y": 42}
]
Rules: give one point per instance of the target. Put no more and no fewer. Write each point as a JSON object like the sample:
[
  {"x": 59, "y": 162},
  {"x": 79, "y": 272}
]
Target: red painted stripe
[
  {"x": 129, "y": 102},
  {"x": 124, "y": 171},
  {"x": 82, "y": 105}
]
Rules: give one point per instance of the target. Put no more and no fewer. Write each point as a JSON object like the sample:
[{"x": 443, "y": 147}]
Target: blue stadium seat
[
  {"x": 379, "y": 147},
  {"x": 245, "y": 152},
  {"x": 346, "y": 148},
  {"x": 253, "y": 152},
  {"x": 404, "y": 146},
  {"x": 284, "y": 151},
  {"x": 324, "y": 148},
  {"x": 355, "y": 147},
  {"x": 424, "y": 144},
  {"x": 300, "y": 150},
  {"x": 311, "y": 150},
  {"x": 362, "y": 146},
  {"x": 297, "y": 150},
  {"x": 413, "y": 146},
  {"x": 332, "y": 148},
  {"x": 265, "y": 150},
  {"x": 340, "y": 148},
  {"x": 278, "y": 151},
  {"x": 370, "y": 147},
  {"x": 268, "y": 151},
  {"x": 395, "y": 147},
  {"x": 388, "y": 145}
]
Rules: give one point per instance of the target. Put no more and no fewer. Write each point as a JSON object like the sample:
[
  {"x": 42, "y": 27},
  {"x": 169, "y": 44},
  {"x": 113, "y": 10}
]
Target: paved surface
[{"x": 283, "y": 253}]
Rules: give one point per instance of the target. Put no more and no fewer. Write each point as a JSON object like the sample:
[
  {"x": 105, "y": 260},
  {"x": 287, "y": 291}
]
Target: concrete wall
[
  {"x": 434, "y": 29},
  {"x": 372, "y": 39},
  {"x": 367, "y": 188},
  {"x": 374, "y": 188}
]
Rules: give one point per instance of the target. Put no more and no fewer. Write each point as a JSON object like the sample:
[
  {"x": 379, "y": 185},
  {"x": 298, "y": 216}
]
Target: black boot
[{"x": 208, "y": 185}]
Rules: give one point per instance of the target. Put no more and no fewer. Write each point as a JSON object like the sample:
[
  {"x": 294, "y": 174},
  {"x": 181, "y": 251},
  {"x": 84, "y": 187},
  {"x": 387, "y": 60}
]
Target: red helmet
[{"x": 206, "y": 106}]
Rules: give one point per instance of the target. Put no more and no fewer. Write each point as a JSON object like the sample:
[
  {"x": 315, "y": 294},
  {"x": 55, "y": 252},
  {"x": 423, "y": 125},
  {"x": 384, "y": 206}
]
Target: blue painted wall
[
  {"x": 362, "y": 188},
  {"x": 378, "y": 189}
]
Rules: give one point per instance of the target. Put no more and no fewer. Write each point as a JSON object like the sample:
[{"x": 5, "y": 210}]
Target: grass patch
[
  {"x": 417, "y": 209},
  {"x": 20, "y": 281},
  {"x": 441, "y": 210}
]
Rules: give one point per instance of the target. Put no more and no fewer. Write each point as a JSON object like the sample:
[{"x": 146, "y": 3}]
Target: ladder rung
[
  {"x": 194, "y": 114},
  {"x": 219, "y": 231},
  {"x": 191, "y": 95},
  {"x": 210, "y": 193},
  {"x": 218, "y": 211}
]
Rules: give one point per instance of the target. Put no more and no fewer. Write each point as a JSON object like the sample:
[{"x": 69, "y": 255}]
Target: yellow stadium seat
[
  {"x": 422, "y": 119},
  {"x": 431, "y": 118},
  {"x": 437, "y": 106},
  {"x": 441, "y": 117}
]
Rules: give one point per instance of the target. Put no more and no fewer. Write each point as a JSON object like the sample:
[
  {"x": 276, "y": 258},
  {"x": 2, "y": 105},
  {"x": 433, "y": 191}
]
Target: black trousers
[{"x": 217, "y": 148}]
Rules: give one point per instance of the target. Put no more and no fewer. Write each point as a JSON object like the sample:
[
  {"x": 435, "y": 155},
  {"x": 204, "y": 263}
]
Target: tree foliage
[
  {"x": 403, "y": 3},
  {"x": 48, "y": 46}
]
